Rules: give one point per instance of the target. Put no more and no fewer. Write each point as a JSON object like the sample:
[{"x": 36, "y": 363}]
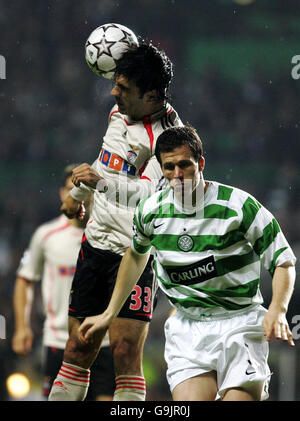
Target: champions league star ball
[{"x": 105, "y": 45}]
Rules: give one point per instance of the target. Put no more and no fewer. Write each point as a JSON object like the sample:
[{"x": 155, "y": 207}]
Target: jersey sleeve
[
  {"x": 32, "y": 263},
  {"x": 264, "y": 233},
  {"x": 140, "y": 243}
]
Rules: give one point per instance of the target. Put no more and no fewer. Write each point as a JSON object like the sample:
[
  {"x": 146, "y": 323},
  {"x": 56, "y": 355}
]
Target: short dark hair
[
  {"x": 149, "y": 67},
  {"x": 175, "y": 137},
  {"x": 67, "y": 172}
]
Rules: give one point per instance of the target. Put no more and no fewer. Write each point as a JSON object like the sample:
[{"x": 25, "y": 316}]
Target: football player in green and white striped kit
[{"x": 210, "y": 241}]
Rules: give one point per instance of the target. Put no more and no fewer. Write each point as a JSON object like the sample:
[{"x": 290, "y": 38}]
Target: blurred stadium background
[{"x": 232, "y": 82}]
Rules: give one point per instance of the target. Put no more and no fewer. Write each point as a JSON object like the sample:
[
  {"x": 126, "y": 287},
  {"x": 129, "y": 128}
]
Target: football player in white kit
[
  {"x": 210, "y": 241},
  {"x": 125, "y": 170},
  {"x": 51, "y": 258}
]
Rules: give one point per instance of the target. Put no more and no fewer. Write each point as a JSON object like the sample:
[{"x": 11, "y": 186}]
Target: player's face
[
  {"x": 65, "y": 190},
  {"x": 181, "y": 169},
  {"x": 87, "y": 202},
  {"x": 129, "y": 100}
]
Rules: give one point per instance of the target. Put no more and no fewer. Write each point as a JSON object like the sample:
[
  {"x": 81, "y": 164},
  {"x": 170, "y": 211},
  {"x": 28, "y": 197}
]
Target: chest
[{"x": 61, "y": 249}]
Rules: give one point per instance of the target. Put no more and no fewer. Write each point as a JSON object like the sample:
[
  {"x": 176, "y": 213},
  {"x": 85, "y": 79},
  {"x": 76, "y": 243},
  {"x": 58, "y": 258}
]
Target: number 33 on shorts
[{"x": 141, "y": 300}]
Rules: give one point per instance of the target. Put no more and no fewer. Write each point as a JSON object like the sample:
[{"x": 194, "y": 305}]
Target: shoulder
[
  {"x": 170, "y": 118},
  {"x": 154, "y": 202},
  {"x": 51, "y": 227},
  {"x": 114, "y": 113},
  {"x": 227, "y": 193}
]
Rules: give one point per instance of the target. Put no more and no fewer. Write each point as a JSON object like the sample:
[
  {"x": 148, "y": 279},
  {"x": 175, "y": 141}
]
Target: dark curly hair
[{"x": 149, "y": 67}]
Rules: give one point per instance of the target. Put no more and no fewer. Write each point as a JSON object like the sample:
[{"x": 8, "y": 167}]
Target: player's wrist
[
  {"x": 278, "y": 307},
  {"x": 102, "y": 185}
]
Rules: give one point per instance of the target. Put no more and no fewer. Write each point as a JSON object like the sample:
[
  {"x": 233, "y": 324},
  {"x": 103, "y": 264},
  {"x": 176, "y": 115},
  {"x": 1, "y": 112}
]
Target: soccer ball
[{"x": 105, "y": 45}]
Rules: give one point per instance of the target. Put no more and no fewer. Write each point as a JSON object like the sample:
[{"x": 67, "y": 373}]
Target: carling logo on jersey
[{"x": 193, "y": 274}]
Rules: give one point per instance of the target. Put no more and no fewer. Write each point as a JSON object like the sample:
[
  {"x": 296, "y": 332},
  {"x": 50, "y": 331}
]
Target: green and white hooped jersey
[{"x": 208, "y": 260}]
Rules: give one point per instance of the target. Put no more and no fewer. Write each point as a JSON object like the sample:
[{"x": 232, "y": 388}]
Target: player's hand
[
  {"x": 86, "y": 174},
  {"x": 275, "y": 324},
  {"x": 93, "y": 325},
  {"x": 22, "y": 341}
]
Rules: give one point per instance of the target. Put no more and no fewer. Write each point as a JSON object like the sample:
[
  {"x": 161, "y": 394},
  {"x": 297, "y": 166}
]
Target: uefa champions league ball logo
[{"x": 185, "y": 243}]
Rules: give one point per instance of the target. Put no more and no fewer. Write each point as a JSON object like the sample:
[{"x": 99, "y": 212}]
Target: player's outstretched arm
[
  {"x": 130, "y": 270},
  {"x": 22, "y": 300},
  {"x": 275, "y": 322}
]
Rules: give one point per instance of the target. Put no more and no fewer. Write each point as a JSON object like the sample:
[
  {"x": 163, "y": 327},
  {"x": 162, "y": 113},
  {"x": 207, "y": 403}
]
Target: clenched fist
[{"x": 86, "y": 174}]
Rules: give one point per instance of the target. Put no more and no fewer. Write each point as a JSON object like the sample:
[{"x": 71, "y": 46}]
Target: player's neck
[
  {"x": 77, "y": 223},
  {"x": 199, "y": 192},
  {"x": 152, "y": 109}
]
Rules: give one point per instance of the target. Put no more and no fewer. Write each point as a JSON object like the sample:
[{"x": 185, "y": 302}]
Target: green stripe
[
  {"x": 273, "y": 263},
  {"x": 224, "y": 192},
  {"x": 207, "y": 303},
  {"x": 269, "y": 234},
  {"x": 232, "y": 263},
  {"x": 140, "y": 249},
  {"x": 219, "y": 212},
  {"x": 137, "y": 224},
  {"x": 246, "y": 290},
  {"x": 163, "y": 194},
  {"x": 166, "y": 210},
  {"x": 249, "y": 209},
  {"x": 139, "y": 215},
  {"x": 168, "y": 242}
]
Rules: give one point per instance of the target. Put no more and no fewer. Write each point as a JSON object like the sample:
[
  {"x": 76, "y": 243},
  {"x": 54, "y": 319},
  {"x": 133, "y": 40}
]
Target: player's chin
[{"x": 121, "y": 108}]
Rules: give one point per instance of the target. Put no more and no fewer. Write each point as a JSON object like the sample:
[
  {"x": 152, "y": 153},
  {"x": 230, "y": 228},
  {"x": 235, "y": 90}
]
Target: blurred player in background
[
  {"x": 210, "y": 241},
  {"x": 126, "y": 166},
  {"x": 51, "y": 258}
]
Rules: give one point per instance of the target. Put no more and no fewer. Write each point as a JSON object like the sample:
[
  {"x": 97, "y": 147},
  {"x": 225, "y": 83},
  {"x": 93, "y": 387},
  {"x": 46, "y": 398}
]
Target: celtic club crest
[{"x": 185, "y": 243}]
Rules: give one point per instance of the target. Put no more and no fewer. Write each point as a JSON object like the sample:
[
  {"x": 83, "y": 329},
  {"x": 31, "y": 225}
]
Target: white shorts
[{"x": 234, "y": 347}]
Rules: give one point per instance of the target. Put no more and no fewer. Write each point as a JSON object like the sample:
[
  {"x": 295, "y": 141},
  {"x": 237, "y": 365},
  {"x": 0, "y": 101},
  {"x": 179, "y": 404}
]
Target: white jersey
[
  {"x": 51, "y": 258},
  {"x": 208, "y": 259},
  {"x": 127, "y": 162}
]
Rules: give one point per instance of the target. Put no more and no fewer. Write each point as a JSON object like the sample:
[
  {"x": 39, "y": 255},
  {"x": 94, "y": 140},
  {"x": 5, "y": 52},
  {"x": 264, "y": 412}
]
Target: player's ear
[
  {"x": 63, "y": 193},
  {"x": 151, "y": 96},
  {"x": 201, "y": 163}
]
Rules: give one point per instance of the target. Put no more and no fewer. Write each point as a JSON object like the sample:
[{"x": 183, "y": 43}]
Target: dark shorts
[
  {"x": 94, "y": 281},
  {"x": 102, "y": 379}
]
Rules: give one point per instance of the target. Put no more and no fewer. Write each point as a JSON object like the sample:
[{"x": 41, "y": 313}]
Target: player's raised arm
[{"x": 130, "y": 270}]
